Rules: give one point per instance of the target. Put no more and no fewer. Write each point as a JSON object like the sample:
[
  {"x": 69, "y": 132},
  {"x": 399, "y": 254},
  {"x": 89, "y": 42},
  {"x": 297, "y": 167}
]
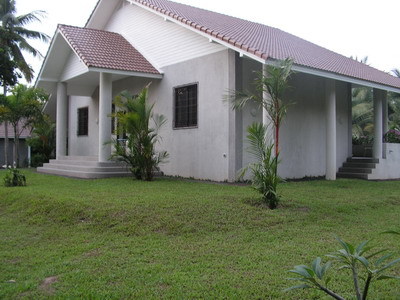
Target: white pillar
[
  {"x": 330, "y": 90},
  {"x": 61, "y": 122},
  {"x": 265, "y": 116},
  {"x": 378, "y": 128},
  {"x": 104, "y": 120},
  {"x": 385, "y": 112}
]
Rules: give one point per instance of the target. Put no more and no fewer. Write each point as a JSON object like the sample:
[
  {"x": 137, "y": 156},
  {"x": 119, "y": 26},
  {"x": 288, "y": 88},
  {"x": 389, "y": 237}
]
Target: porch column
[
  {"x": 61, "y": 122},
  {"x": 105, "y": 96},
  {"x": 265, "y": 117},
  {"x": 385, "y": 112},
  {"x": 330, "y": 95},
  {"x": 378, "y": 128}
]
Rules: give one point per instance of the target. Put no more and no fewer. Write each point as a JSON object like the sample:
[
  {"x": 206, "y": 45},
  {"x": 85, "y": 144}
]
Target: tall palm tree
[{"x": 13, "y": 40}]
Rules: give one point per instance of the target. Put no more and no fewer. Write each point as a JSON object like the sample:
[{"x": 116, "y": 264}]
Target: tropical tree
[
  {"x": 42, "y": 141},
  {"x": 134, "y": 115},
  {"x": 14, "y": 35},
  {"x": 22, "y": 109},
  {"x": 274, "y": 82},
  {"x": 13, "y": 40}
]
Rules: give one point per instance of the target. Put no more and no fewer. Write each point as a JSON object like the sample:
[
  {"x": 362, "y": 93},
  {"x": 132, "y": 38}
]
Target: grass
[{"x": 120, "y": 238}]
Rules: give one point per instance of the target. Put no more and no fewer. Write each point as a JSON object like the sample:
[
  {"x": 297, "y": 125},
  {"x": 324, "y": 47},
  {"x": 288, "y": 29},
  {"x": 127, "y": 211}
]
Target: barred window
[
  {"x": 185, "y": 106},
  {"x": 83, "y": 121}
]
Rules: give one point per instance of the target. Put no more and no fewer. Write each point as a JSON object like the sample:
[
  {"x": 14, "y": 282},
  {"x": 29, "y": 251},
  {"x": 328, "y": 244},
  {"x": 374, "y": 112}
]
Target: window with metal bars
[
  {"x": 185, "y": 114},
  {"x": 83, "y": 121}
]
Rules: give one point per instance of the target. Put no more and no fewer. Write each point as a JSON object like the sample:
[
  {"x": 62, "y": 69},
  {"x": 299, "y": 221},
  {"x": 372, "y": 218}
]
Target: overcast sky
[{"x": 350, "y": 27}]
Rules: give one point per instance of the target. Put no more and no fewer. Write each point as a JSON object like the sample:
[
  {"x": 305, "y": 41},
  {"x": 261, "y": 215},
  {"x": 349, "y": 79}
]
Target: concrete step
[
  {"x": 80, "y": 174},
  {"x": 86, "y": 168},
  {"x": 81, "y": 158},
  {"x": 362, "y": 160},
  {"x": 355, "y": 170},
  {"x": 87, "y": 163},
  {"x": 351, "y": 175},
  {"x": 358, "y": 165}
]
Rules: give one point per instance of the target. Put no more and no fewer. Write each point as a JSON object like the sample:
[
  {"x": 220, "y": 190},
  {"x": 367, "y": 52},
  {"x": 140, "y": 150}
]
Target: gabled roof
[
  {"x": 268, "y": 43},
  {"x": 105, "y": 50}
]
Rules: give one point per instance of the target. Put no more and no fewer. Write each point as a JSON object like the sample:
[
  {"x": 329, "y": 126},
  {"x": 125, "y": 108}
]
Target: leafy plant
[
  {"x": 134, "y": 115},
  {"x": 362, "y": 140},
  {"x": 392, "y": 136},
  {"x": 365, "y": 269},
  {"x": 264, "y": 174},
  {"x": 43, "y": 141},
  {"x": 14, "y": 178},
  {"x": 274, "y": 82}
]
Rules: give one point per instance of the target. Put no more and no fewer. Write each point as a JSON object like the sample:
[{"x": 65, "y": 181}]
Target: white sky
[{"x": 350, "y": 27}]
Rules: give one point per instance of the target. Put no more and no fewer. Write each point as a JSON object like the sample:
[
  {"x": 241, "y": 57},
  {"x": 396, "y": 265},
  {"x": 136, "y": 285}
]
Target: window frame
[
  {"x": 174, "y": 89},
  {"x": 78, "y": 132}
]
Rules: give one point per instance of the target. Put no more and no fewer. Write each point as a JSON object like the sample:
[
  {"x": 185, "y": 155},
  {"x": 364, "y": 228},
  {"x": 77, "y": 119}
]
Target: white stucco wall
[
  {"x": 83, "y": 145},
  {"x": 389, "y": 167}
]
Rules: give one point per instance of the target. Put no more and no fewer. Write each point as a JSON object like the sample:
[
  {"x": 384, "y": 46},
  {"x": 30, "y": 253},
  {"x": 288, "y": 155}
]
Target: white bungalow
[{"x": 193, "y": 57}]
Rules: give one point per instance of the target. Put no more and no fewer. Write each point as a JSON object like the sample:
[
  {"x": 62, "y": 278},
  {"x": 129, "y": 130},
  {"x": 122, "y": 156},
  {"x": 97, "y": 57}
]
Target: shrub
[
  {"x": 14, "y": 178},
  {"x": 134, "y": 118},
  {"x": 362, "y": 140},
  {"x": 264, "y": 175},
  {"x": 365, "y": 269},
  {"x": 392, "y": 136}
]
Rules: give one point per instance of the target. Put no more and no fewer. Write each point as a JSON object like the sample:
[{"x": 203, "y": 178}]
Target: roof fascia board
[
  {"x": 206, "y": 35},
  {"x": 127, "y": 73},
  {"x": 345, "y": 78},
  {"x": 56, "y": 34}
]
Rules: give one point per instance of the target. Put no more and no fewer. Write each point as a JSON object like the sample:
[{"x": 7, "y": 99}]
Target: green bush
[
  {"x": 134, "y": 116},
  {"x": 263, "y": 172},
  {"x": 392, "y": 136},
  {"x": 14, "y": 178}
]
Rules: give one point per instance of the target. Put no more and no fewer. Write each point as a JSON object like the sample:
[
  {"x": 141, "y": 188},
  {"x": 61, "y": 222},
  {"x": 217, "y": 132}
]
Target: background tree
[
  {"x": 42, "y": 141},
  {"x": 13, "y": 40},
  {"x": 22, "y": 109}
]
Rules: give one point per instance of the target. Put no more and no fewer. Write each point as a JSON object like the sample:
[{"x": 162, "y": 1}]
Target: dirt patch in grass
[{"x": 47, "y": 285}]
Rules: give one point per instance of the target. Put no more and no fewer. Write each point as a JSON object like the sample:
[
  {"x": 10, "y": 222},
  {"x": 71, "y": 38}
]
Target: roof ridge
[{"x": 86, "y": 28}]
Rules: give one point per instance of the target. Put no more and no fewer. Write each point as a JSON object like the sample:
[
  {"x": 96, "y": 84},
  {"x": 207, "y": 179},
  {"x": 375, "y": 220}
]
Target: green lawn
[{"x": 121, "y": 238}]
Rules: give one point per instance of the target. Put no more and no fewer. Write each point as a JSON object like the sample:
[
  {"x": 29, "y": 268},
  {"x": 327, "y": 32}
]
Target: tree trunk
[
  {"x": 5, "y": 133},
  {"x": 16, "y": 146}
]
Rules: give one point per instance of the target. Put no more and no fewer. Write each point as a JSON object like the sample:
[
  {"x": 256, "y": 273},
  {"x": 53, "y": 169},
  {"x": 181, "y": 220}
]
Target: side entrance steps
[
  {"x": 84, "y": 167},
  {"x": 357, "y": 167}
]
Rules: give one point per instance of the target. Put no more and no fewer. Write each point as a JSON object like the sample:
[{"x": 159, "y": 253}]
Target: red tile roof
[
  {"x": 26, "y": 132},
  {"x": 268, "y": 42},
  {"x": 104, "y": 49}
]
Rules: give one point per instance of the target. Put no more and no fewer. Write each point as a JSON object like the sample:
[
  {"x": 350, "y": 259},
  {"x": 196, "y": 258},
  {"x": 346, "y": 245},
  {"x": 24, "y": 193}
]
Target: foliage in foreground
[
  {"x": 364, "y": 267},
  {"x": 14, "y": 177},
  {"x": 263, "y": 172},
  {"x": 134, "y": 116}
]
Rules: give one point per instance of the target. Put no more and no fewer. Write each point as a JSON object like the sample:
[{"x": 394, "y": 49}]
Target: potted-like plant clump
[{"x": 362, "y": 146}]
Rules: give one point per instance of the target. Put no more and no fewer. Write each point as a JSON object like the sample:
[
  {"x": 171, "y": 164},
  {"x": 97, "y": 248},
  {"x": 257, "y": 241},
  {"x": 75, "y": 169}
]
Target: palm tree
[
  {"x": 14, "y": 35},
  {"x": 13, "y": 40},
  {"x": 396, "y": 72}
]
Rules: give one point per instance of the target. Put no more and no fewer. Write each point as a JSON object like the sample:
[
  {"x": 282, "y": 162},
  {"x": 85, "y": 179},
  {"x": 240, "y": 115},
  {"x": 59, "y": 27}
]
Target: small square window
[
  {"x": 185, "y": 114},
  {"x": 83, "y": 121}
]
